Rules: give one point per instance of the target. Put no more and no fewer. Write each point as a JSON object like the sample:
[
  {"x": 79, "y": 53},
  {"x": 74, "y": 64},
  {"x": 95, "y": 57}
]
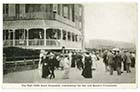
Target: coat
[
  {"x": 127, "y": 58},
  {"x": 110, "y": 58}
]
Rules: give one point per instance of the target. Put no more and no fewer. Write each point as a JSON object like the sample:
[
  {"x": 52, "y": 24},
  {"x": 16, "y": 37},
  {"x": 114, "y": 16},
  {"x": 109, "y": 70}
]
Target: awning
[{"x": 23, "y": 24}]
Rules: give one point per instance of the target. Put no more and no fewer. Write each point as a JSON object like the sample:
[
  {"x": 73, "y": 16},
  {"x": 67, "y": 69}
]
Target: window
[
  {"x": 59, "y": 8},
  {"x": 17, "y": 9},
  {"x": 53, "y": 34},
  {"x": 43, "y": 7},
  {"x": 76, "y": 38},
  {"x": 80, "y": 11},
  {"x": 20, "y": 34},
  {"x": 48, "y": 7},
  {"x": 65, "y": 11},
  {"x": 69, "y": 36},
  {"x": 5, "y": 9},
  {"x": 7, "y": 34},
  {"x": 64, "y": 35},
  {"x": 36, "y": 33},
  {"x": 32, "y": 8},
  {"x": 73, "y": 38},
  {"x": 73, "y": 15},
  {"x": 37, "y": 7}
]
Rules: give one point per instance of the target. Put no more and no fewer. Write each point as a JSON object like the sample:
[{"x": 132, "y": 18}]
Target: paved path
[{"x": 99, "y": 76}]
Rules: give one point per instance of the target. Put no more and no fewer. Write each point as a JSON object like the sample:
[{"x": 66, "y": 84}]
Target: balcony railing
[
  {"x": 52, "y": 42},
  {"x": 36, "y": 42},
  {"x": 20, "y": 42},
  {"x": 8, "y": 43}
]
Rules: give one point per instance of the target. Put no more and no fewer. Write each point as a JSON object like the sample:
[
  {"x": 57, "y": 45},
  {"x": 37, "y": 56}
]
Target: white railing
[
  {"x": 33, "y": 42},
  {"x": 52, "y": 42},
  {"x": 8, "y": 43},
  {"x": 20, "y": 42},
  {"x": 36, "y": 42}
]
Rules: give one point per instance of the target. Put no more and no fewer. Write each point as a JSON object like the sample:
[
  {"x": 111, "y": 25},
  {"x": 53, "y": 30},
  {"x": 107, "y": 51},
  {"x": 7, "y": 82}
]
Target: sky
[{"x": 111, "y": 21}]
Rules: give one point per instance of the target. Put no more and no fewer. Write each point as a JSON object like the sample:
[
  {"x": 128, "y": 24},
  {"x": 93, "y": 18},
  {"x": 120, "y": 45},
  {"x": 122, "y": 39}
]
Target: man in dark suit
[
  {"x": 51, "y": 65},
  {"x": 118, "y": 60},
  {"x": 110, "y": 58}
]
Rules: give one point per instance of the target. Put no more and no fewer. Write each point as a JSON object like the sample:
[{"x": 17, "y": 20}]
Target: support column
[
  {"x": 61, "y": 39},
  {"x": 14, "y": 37},
  {"x": 44, "y": 37},
  {"x": 27, "y": 37}
]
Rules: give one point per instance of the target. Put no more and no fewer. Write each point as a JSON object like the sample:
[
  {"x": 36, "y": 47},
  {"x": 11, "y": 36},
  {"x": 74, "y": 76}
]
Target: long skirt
[
  {"x": 66, "y": 73},
  {"x": 45, "y": 71},
  {"x": 87, "y": 72},
  {"x": 94, "y": 65},
  {"x": 40, "y": 69}
]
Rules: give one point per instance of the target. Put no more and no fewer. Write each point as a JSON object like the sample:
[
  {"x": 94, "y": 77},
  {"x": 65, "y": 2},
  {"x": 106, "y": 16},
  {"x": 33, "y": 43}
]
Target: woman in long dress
[
  {"x": 41, "y": 56},
  {"x": 45, "y": 68},
  {"x": 87, "y": 71},
  {"x": 94, "y": 60},
  {"x": 67, "y": 65}
]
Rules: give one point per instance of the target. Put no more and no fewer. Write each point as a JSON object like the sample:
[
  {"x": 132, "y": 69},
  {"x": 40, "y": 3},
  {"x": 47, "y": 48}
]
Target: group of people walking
[
  {"x": 49, "y": 61},
  {"x": 86, "y": 62},
  {"x": 119, "y": 61}
]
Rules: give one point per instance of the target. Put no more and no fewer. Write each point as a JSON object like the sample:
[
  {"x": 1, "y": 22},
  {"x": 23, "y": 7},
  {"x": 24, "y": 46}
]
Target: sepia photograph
[{"x": 71, "y": 43}]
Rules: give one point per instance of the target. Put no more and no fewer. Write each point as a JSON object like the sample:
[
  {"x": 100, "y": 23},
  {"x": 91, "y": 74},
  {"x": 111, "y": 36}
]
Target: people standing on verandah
[{"x": 87, "y": 71}]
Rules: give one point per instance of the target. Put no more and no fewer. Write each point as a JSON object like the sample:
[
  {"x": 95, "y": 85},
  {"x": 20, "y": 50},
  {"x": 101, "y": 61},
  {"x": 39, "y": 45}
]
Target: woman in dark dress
[
  {"x": 45, "y": 68},
  {"x": 51, "y": 65},
  {"x": 87, "y": 71}
]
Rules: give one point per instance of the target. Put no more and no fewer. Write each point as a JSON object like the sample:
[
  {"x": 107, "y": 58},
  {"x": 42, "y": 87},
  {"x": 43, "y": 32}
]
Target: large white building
[{"x": 43, "y": 26}]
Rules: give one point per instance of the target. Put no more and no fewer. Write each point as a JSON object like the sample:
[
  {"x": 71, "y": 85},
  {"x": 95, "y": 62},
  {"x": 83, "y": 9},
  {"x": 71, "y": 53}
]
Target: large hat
[{"x": 116, "y": 49}]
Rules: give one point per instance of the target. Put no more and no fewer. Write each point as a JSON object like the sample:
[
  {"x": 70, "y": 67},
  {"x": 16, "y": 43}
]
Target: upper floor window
[
  {"x": 32, "y": 8},
  {"x": 65, "y": 11},
  {"x": 69, "y": 36},
  {"x": 5, "y": 8},
  {"x": 64, "y": 35}
]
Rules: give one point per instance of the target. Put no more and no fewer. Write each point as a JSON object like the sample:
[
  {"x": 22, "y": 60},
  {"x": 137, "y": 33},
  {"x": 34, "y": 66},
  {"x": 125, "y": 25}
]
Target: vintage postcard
[{"x": 70, "y": 45}]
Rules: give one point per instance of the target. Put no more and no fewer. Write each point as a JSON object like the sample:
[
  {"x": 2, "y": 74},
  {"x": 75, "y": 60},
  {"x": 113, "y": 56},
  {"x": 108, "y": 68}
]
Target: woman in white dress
[
  {"x": 66, "y": 65},
  {"x": 94, "y": 60}
]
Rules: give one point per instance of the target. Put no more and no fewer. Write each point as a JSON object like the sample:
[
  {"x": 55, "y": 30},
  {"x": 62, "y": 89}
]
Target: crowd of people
[
  {"x": 118, "y": 60},
  {"x": 86, "y": 62}
]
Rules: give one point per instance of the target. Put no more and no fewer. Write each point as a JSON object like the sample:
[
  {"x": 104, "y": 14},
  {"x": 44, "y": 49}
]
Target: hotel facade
[{"x": 43, "y": 26}]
